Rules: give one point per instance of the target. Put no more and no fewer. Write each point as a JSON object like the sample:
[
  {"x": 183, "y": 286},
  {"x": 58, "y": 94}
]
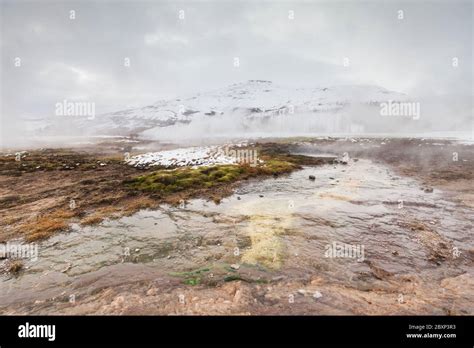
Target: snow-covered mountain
[{"x": 241, "y": 104}]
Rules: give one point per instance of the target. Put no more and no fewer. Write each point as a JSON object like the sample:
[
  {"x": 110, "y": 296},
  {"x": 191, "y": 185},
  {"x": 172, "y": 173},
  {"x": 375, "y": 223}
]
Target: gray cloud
[{"x": 82, "y": 59}]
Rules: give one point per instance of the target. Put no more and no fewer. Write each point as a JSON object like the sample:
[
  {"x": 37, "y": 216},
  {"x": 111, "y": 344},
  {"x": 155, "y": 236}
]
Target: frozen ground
[{"x": 192, "y": 156}]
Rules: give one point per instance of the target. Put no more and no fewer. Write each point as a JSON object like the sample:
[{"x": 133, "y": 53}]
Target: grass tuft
[{"x": 46, "y": 225}]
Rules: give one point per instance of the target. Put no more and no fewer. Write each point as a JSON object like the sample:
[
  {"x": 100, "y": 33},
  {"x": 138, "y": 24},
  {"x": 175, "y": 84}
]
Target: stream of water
[{"x": 280, "y": 226}]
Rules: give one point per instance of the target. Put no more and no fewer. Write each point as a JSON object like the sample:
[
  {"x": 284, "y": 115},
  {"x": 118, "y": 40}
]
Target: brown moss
[
  {"x": 99, "y": 215},
  {"x": 139, "y": 203},
  {"x": 46, "y": 225},
  {"x": 15, "y": 267},
  {"x": 10, "y": 220},
  {"x": 92, "y": 220}
]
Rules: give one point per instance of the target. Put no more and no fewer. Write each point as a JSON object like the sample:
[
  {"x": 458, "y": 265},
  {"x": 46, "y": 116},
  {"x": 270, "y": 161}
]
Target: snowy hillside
[{"x": 242, "y": 103}]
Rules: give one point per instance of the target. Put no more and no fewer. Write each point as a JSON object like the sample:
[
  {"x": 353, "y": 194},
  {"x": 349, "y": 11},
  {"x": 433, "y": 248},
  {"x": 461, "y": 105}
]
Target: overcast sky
[{"x": 82, "y": 59}]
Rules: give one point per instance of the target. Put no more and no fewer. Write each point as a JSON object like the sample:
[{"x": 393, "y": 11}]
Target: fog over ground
[{"x": 177, "y": 48}]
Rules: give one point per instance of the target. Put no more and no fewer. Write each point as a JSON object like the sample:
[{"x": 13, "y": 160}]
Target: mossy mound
[{"x": 181, "y": 179}]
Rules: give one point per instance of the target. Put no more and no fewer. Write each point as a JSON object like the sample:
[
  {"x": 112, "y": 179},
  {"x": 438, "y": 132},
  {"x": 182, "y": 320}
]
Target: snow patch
[{"x": 193, "y": 156}]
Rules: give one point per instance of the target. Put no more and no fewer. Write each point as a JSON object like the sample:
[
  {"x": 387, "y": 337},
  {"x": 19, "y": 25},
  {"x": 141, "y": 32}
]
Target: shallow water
[{"x": 281, "y": 226}]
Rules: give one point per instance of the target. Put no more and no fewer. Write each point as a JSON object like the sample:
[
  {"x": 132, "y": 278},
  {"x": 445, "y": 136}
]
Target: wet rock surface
[{"x": 372, "y": 243}]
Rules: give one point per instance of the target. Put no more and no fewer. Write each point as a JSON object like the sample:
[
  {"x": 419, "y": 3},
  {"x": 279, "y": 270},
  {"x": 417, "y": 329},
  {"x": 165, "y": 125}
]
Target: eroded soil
[{"x": 262, "y": 249}]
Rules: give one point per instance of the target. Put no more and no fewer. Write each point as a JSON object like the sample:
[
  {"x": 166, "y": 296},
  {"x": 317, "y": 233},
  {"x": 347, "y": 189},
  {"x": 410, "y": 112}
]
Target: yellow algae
[
  {"x": 266, "y": 247},
  {"x": 268, "y": 221}
]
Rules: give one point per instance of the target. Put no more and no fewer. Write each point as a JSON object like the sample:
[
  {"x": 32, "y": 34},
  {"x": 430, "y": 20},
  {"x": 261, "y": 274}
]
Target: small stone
[
  {"x": 317, "y": 295},
  {"x": 312, "y": 177},
  {"x": 237, "y": 296},
  {"x": 235, "y": 266},
  {"x": 68, "y": 267},
  {"x": 344, "y": 159},
  {"x": 277, "y": 278},
  {"x": 428, "y": 190},
  {"x": 238, "y": 198},
  {"x": 261, "y": 196},
  {"x": 152, "y": 292}
]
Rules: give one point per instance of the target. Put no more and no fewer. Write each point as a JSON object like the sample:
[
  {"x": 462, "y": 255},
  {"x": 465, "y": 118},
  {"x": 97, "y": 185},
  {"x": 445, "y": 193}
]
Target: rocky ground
[
  {"x": 410, "y": 267},
  {"x": 43, "y": 191}
]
